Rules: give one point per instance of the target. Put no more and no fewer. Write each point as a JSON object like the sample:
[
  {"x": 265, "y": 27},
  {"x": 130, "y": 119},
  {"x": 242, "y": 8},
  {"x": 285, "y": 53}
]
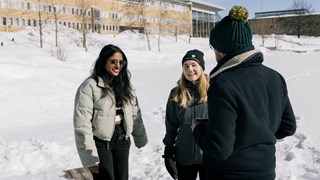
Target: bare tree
[
  {"x": 144, "y": 21},
  {"x": 179, "y": 22},
  {"x": 301, "y": 7},
  {"x": 162, "y": 21},
  {"x": 176, "y": 26},
  {"x": 129, "y": 16},
  {"x": 56, "y": 16},
  {"x": 186, "y": 25},
  {"x": 84, "y": 6},
  {"x": 41, "y": 7}
]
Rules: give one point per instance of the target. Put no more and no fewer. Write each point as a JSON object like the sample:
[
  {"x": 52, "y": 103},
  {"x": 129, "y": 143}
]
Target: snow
[{"x": 37, "y": 93}]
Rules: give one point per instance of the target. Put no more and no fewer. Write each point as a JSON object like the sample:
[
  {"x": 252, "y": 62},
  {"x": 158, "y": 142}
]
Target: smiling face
[
  {"x": 191, "y": 70},
  {"x": 114, "y": 64}
]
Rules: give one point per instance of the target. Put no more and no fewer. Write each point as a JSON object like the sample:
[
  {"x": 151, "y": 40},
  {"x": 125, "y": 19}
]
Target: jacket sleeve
[
  {"x": 288, "y": 122},
  {"x": 287, "y": 125},
  {"x": 171, "y": 122},
  {"x": 83, "y": 111},
  {"x": 139, "y": 132},
  {"x": 217, "y": 138}
]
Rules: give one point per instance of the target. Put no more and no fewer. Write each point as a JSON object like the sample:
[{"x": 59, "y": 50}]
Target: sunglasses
[{"x": 114, "y": 61}]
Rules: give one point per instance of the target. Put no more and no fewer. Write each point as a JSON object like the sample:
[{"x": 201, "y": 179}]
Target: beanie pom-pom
[{"x": 239, "y": 13}]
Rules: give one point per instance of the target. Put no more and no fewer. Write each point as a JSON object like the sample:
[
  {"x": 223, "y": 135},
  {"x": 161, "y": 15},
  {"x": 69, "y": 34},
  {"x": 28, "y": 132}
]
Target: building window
[
  {"x": 23, "y": 22},
  {"x": 10, "y": 4},
  {"x": 11, "y": 21},
  {"x": 28, "y": 6},
  {"x": 29, "y": 22},
  {"x": 17, "y": 22},
  {"x": 34, "y": 23},
  {"x": 3, "y": 3},
  {"x": 34, "y": 6},
  {"x": 16, "y": 4},
  {"x": 49, "y": 8},
  {"x": 22, "y": 4},
  {"x": 4, "y": 21}
]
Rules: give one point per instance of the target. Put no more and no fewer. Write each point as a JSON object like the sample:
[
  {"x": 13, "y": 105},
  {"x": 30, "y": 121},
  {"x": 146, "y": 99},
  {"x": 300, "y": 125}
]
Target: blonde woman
[{"x": 187, "y": 101}]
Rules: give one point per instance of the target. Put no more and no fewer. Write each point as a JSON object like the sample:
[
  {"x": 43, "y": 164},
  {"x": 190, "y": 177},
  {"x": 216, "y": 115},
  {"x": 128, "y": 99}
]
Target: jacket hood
[{"x": 245, "y": 57}]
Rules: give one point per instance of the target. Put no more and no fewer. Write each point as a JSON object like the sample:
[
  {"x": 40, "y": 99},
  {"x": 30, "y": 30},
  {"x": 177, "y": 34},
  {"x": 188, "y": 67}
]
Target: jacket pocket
[{"x": 102, "y": 125}]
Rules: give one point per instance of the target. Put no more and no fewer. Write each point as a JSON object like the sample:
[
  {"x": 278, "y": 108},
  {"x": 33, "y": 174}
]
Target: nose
[
  {"x": 117, "y": 64},
  {"x": 189, "y": 68}
]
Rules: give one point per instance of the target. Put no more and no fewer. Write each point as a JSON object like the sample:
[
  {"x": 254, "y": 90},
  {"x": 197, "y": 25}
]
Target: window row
[
  {"x": 8, "y": 4},
  {"x": 32, "y": 22},
  {"x": 34, "y": 6}
]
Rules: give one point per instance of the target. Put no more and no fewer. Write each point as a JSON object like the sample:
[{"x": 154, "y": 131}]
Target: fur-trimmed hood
[{"x": 234, "y": 61}]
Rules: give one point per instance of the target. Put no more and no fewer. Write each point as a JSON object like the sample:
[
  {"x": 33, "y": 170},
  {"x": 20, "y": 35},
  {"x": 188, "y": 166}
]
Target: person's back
[
  {"x": 248, "y": 107},
  {"x": 259, "y": 96}
]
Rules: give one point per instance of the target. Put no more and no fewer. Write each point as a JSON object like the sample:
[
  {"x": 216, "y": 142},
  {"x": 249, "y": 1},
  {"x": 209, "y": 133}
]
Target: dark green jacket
[{"x": 249, "y": 109}]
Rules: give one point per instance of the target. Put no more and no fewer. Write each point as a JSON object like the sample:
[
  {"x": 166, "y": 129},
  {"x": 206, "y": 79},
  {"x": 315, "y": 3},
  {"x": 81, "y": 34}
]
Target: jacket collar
[
  {"x": 102, "y": 83},
  {"x": 236, "y": 60}
]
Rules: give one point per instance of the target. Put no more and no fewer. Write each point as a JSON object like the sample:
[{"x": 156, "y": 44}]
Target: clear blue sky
[{"x": 254, "y": 6}]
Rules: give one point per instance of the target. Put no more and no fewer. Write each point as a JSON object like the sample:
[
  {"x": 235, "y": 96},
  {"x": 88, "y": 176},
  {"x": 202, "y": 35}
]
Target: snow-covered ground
[{"x": 37, "y": 93}]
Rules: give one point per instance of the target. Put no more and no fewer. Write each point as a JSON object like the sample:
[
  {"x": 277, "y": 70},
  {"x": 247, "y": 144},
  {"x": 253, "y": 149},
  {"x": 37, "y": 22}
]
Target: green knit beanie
[{"x": 233, "y": 32}]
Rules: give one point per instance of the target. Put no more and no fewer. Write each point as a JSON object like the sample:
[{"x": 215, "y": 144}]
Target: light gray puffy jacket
[{"x": 94, "y": 115}]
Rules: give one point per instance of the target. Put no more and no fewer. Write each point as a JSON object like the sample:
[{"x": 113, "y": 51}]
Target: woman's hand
[{"x": 94, "y": 169}]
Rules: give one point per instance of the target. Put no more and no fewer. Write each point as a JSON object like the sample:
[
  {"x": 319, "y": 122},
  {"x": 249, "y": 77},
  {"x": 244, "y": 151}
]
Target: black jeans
[
  {"x": 114, "y": 156},
  {"x": 191, "y": 172}
]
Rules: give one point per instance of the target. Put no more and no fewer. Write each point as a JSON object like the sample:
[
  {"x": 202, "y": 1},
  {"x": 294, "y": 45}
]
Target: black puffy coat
[
  {"x": 249, "y": 109},
  {"x": 178, "y": 128}
]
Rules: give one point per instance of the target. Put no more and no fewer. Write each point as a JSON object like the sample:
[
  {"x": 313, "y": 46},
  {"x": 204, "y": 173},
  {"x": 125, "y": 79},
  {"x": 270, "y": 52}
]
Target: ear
[{"x": 219, "y": 55}]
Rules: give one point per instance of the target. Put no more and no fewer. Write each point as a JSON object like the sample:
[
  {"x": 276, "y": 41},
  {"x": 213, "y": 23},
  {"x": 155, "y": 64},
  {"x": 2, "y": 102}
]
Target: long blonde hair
[{"x": 182, "y": 95}]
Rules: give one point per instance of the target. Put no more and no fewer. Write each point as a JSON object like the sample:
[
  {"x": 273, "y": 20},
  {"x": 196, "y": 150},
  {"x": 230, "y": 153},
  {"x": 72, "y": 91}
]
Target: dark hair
[{"x": 120, "y": 84}]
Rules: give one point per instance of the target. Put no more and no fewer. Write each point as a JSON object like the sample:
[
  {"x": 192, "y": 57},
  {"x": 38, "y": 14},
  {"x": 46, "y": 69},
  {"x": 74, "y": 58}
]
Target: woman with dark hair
[{"x": 106, "y": 112}]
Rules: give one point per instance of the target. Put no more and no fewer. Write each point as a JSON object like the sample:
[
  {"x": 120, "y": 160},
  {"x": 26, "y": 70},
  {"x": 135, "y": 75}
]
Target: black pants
[
  {"x": 191, "y": 172},
  {"x": 114, "y": 156},
  {"x": 270, "y": 176}
]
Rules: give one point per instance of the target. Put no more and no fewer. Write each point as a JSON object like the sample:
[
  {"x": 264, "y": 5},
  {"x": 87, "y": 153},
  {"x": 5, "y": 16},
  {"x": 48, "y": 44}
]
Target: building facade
[
  {"x": 111, "y": 16},
  {"x": 204, "y": 17},
  {"x": 289, "y": 22}
]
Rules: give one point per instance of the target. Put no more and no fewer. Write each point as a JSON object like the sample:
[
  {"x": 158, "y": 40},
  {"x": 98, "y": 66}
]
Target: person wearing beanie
[
  {"x": 248, "y": 105},
  {"x": 187, "y": 101}
]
